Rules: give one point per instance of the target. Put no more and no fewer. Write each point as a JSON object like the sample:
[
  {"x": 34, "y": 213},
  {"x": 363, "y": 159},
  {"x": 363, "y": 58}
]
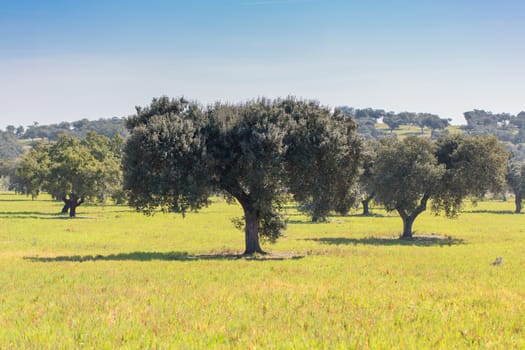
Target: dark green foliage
[
  {"x": 408, "y": 173},
  {"x": 257, "y": 153},
  {"x": 404, "y": 172},
  {"x": 165, "y": 157},
  {"x": 323, "y": 154},
  {"x": 475, "y": 165}
]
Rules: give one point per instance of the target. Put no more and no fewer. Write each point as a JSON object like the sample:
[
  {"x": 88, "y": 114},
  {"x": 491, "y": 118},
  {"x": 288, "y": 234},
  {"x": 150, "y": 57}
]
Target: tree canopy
[
  {"x": 408, "y": 173},
  {"x": 87, "y": 169},
  {"x": 258, "y": 153}
]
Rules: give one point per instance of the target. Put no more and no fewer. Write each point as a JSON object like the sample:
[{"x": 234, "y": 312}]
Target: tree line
[
  {"x": 104, "y": 126},
  {"x": 263, "y": 154}
]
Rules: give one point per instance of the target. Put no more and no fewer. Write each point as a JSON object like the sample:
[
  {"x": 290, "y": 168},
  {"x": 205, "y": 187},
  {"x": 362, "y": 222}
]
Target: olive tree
[
  {"x": 410, "y": 173},
  {"x": 258, "y": 153}
]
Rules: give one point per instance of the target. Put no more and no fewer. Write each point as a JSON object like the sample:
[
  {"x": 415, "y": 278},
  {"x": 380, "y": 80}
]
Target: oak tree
[{"x": 258, "y": 153}]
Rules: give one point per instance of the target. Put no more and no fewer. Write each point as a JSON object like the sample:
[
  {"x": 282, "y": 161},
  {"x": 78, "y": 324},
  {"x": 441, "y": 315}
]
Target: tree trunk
[
  {"x": 518, "y": 200},
  {"x": 252, "y": 232},
  {"x": 408, "y": 221},
  {"x": 65, "y": 209},
  {"x": 71, "y": 204},
  {"x": 73, "y": 210},
  {"x": 365, "y": 203}
]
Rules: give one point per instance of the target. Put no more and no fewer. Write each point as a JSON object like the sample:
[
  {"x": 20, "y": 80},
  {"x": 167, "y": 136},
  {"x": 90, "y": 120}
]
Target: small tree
[
  {"x": 408, "y": 173},
  {"x": 179, "y": 154},
  {"x": 71, "y": 170},
  {"x": 393, "y": 121},
  {"x": 516, "y": 182}
]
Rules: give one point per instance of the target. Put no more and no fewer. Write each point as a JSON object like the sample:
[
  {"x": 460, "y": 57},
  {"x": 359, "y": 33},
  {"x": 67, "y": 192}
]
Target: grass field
[{"x": 113, "y": 278}]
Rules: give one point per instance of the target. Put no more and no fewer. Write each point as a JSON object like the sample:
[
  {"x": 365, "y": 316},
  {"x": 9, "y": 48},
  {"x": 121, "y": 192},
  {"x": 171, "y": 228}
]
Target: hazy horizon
[{"x": 65, "y": 61}]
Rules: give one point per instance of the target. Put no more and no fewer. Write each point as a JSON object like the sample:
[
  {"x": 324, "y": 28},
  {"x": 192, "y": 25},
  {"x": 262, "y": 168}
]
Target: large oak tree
[{"x": 258, "y": 153}]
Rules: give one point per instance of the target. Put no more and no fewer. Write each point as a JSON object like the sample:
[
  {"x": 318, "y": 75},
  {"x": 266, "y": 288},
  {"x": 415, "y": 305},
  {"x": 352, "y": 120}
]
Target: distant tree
[
  {"x": 407, "y": 118},
  {"x": 10, "y": 129},
  {"x": 519, "y": 122},
  {"x": 516, "y": 182},
  {"x": 179, "y": 154},
  {"x": 10, "y": 147},
  {"x": 71, "y": 170},
  {"x": 408, "y": 173},
  {"x": 106, "y": 127},
  {"x": 19, "y": 131},
  {"x": 393, "y": 121},
  {"x": 366, "y": 120},
  {"x": 480, "y": 119},
  {"x": 431, "y": 121}
]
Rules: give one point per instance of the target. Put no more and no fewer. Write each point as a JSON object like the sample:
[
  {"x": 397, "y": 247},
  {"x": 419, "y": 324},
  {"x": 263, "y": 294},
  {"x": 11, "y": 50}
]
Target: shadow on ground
[
  {"x": 163, "y": 256},
  {"x": 38, "y": 215},
  {"x": 333, "y": 219},
  {"x": 484, "y": 211},
  {"x": 421, "y": 240}
]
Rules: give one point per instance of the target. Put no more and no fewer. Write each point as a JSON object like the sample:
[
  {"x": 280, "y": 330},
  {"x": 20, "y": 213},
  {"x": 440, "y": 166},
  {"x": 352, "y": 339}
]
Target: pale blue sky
[{"x": 66, "y": 60}]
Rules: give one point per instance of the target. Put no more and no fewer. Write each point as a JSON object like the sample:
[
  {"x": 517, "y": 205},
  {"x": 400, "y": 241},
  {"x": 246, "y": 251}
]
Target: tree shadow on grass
[
  {"x": 39, "y": 215},
  {"x": 30, "y": 215},
  {"x": 162, "y": 256},
  {"x": 335, "y": 219},
  {"x": 485, "y": 211},
  {"x": 417, "y": 240}
]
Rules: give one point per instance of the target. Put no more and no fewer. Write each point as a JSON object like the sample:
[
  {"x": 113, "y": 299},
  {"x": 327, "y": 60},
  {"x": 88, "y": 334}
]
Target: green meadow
[{"x": 114, "y": 278}]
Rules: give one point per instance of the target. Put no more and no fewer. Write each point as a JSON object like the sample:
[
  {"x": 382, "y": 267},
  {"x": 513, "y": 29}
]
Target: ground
[{"x": 115, "y": 278}]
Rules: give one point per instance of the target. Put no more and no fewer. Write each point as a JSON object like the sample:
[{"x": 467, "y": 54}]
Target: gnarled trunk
[
  {"x": 71, "y": 204},
  {"x": 251, "y": 232},
  {"x": 408, "y": 219}
]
